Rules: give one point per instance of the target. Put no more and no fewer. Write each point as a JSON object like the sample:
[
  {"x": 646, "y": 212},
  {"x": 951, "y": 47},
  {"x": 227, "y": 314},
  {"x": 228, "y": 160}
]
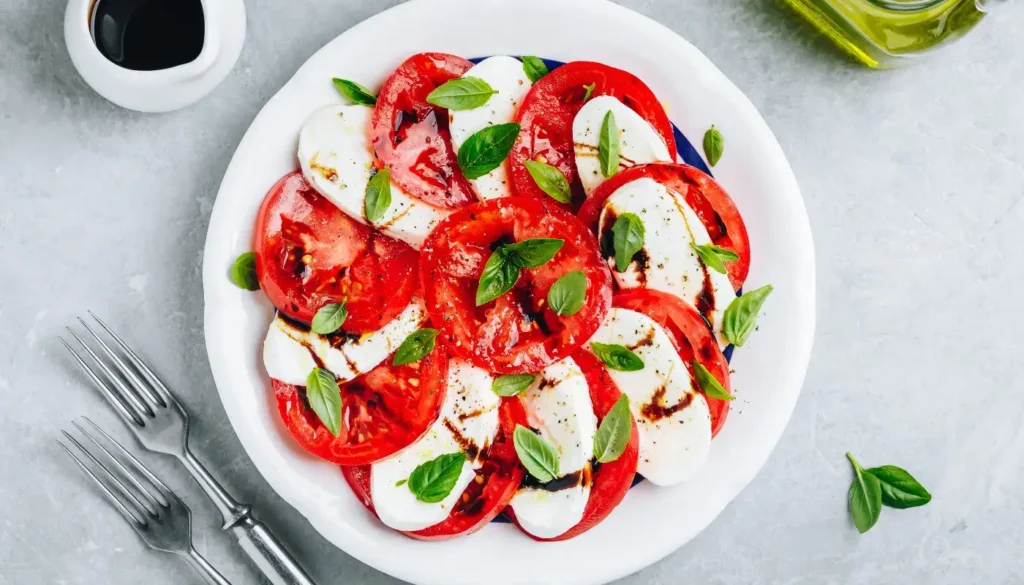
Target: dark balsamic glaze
[
  {"x": 580, "y": 476},
  {"x": 147, "y": 35}
]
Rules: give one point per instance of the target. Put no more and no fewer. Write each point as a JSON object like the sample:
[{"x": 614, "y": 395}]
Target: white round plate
[{"x": 651, "y": 522}]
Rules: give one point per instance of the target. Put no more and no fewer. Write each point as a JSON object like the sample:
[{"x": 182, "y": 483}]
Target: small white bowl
[{"x": 162, "y": 90}]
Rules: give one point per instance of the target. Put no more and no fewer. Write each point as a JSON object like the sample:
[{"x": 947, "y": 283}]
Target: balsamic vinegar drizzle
[{"x": 148, "y": 35}]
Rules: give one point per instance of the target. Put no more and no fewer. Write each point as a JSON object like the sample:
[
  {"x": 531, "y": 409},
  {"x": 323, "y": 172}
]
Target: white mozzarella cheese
[
  {"x": 558, "y": 406},
  {"x": 468, "y": 422},
  {"x": 671, "y": 414},
  {"x": 639, "y": 142},
  {"x": 667, "y": 262},
  {"x": 506, "y": 75},
  {"x": 337, "y": 159},
  {"x": 290, "y": 351}
]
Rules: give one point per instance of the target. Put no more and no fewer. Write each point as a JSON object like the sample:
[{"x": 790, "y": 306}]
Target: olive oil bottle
[{"x": 887, "y": 33}]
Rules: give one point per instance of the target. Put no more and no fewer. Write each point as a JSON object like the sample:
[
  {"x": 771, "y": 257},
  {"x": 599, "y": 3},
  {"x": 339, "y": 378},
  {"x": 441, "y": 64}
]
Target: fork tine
[
  {"x": 139, "y": 506},
  {"x": 135, "y": 522},
  {"x": 156, "y": 502},
  {"x": 115, "y": 401},
  {"x": 142, "y": 388},
  {"x": 165, "y": 492},
  {"x": 141, "y": 409},
  {"x": 137, "y": 362}
]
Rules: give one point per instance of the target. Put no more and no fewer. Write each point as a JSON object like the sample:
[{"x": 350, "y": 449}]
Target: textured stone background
[{"x": 913, "y": 181}]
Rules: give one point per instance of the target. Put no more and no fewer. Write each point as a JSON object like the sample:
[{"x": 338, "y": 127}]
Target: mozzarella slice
[
  {"x": 671, "y": 414},
  {"x": 558, "y": 405},
  {"x": 667, "y": 262},
  {"x": 506, "y": 75},
  {"x": 291, "y": 351},
  {"x": 468, "y": 422},
  {"x": 639, "y": 142},
  {"x": 337, "y": 159}
]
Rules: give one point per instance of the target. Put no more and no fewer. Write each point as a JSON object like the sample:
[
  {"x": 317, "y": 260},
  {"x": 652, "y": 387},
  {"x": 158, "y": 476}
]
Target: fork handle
[{"x": 202, "y": 566}]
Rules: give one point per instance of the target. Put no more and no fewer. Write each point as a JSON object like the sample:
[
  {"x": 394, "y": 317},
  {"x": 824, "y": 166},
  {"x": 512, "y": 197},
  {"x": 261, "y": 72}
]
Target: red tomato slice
[
  {"x": 410, "y": 136},
  {"x": 611, "y": 480},
  {"x": 517, "y": 332},
  {"x": 310, "y": 254},
  {"x": 703, "y": 194},
  {"x": 382, "y": 411},
  {"x": 496, "y": 482},
  {"x": 548, "y": 110},
  {"x": 690, "y": 336}
]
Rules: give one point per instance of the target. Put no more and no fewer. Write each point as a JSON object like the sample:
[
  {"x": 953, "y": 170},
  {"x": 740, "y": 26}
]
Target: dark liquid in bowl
[{"x": 146, "y": 35}]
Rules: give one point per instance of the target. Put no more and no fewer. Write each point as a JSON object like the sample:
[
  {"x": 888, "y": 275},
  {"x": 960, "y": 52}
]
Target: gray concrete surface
[{"x": 913, "y": 181}]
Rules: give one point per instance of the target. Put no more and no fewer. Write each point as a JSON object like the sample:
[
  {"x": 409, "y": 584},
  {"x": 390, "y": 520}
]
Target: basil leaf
[
  {"x": 329, "y": 318},
  {"x": 715, "y": 257},
  {"x": 608, "y": 146},
  {"x": 627, "y": 239},
  {"x": 534, "y": 67},
  {"x": 614, "y": 433},
  {"x": 324, "y": 398},
  {"x": 432, "y": 481},
  {"x": 243, "y": 272},
  {"x": 498, "y": 277},
  {"x": 550, "y": 180},
  {"x": 709, "y": 384},
  {"x": 415, "y": 347},
  {"x": 401, "y": 482},
  {"x": 537, "y": 455},
  {"x": 589, "y": 90},
  {"x": 741, "y": 315},
  {"x": 355, "y": 93},
  {"x": 899, "y": 488},
  {"x": 865, "y": 497},
  {"x": 484, "y": 151},
  {"x": 714, "y": 144},
  {"x": 378, "y": 195},
  {"x": 462, "y": 93},
  {"x": 617, "y": 357},
  {"x": 566, "y": 296},
  {"x": 533, "y": 253},
  {"x": 512, "y": 384}
]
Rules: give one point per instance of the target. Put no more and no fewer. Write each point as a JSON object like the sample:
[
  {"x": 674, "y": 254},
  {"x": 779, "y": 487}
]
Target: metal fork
[
  {"x": 160, "y": 518},
  {"x": 161, "y": 424}
]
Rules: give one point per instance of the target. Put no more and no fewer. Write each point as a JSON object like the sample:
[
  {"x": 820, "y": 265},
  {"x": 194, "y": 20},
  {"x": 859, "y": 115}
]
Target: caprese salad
[{"x": 498, "y": 291}]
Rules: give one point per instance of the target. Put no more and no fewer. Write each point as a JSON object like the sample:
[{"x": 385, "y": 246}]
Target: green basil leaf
[
  {"x": 614, "y": 432},
  {"x": 709, "y": 384},
  {"x": 617, "y": 357},
  {"x": 462, "y": 93},
  {"x": 714, "y": 256},
  {"x": 589, "y": 88},
  {"x": 432, "y": 481},
  {"x": 355, "y": 93},
  {"x": 741, "y": 315},
  {"x": 512, "y": 384},
  {"x": 566, "y": 296},
  {"x": 627, "y": 239},
  {"x": 550, "y": 180},
  {"x": 537, "y": 455},
  {"x": 865, "y": 497},
  {"x": 500, "y": 274},
  {"x": 714, "y": 144},
  {"x": 243, "y": 272},
  {"x": 329, "y": 318},
  {"x": 899, "y": 488},
  {"x": 533, "y": 253},
  {"x": 484, "y": 151},
  {"x": 378, "y": 195},
  {"x": 534, "y": 67},
  {"x": 608, "y": 146},
  {"x": 401, "y": 482},
  {"x": 324, "y": 398},
  {"x": 415, "y": 347}
]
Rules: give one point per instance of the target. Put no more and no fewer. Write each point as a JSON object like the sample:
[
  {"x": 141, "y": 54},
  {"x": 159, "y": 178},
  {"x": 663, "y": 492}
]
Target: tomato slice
[
  {"x": 517, "y": 332},
  {"x": 309, "y": 254},
  {"x": 690, "y": 336},
  {"x": 611, "y": 480},
  {"x": 496, "y": 482},
  {"x": 382, "y": 411},
  {"x": 548, "y": 110},
  {"x": 703, "y": 194},
  {"x": 410, "y": 136}
]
